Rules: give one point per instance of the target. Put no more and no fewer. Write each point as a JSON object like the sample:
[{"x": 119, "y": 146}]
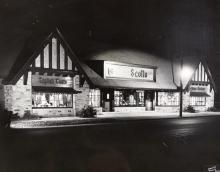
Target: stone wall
[
  {"x": 81, "y": 99},
  {"x": 18, "y": 97},
  {"x": 129, "y": 109},
  {"x": 2, "y": 96},
  {"x": 186, "y": 102},
  {"x": 167, "y": 109},
  {"x": 209, "y": 100},
  {"x": 54, "y": 112}
]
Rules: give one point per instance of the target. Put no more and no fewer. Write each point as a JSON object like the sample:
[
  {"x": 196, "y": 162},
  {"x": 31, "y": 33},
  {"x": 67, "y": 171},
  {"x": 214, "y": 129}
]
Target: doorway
[
  {"x": 149, "y": 100},
  {"x": 107, "y": 100}
]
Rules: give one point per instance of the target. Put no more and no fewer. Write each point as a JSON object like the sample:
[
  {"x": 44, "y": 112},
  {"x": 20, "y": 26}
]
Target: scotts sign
[
  {"x": 51, "y": 81},
  {"x": 128, "y": 71}
]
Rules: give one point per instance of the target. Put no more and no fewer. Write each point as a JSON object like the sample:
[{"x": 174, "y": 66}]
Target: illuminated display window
[
  {"x": 198, "y": 101},
  {"x": 51, "y": 100},
  {"x": 128, "y": 98},
  {"x": 168, "y": 99},
  {"x": 94, "y": 98}
]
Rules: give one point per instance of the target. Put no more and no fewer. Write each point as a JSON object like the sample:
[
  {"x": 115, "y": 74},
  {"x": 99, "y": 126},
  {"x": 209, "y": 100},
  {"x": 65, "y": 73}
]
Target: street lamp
[{"x": 185, "y": 74}]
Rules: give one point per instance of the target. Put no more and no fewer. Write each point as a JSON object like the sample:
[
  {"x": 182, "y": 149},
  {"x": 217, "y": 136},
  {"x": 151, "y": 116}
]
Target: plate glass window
[
  {"x": 53, "y": 100},
  {"x": 129, "y": 98},
  {"x": 94, "y": 98},
  {"x": 198, "y": 101},
  {"x": 168, "y": 99}
]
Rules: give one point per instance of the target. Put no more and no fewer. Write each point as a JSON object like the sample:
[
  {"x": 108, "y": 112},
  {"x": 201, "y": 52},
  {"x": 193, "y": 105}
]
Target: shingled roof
[{"x": 168, "y": 70}]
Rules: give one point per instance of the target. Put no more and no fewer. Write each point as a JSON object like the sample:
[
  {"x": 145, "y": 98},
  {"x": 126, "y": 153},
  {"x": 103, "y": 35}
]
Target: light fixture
[{"x": 186, "y": 72}]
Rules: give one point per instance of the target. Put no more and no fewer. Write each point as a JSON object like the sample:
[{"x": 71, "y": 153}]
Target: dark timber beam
[
  {"x": 25, "y": 78},
  {"x": 58, "y": 54},
  {"x": 42, "y": 58},
  {"x": 65, "y": 60},
  {"x": 54, "y": 71},
  {"x": 50, "y": 54}
]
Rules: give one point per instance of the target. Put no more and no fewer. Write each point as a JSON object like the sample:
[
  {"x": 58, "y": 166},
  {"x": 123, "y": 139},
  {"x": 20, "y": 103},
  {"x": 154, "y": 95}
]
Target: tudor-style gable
[
  {"x": 202, "y": 76},
  {"x": 53, "y": 56}
]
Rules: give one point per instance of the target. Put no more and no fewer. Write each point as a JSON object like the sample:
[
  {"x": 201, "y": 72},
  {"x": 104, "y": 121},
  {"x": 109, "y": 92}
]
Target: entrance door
[
  {"x": 149, "y": 100},
  {"x": 107, "y": 100}
]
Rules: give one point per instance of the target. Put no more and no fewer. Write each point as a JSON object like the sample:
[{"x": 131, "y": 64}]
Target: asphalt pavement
[{"x": 188, "y": 144}]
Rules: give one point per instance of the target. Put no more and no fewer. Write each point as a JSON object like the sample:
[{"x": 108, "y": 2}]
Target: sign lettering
[
  {"x": 51, "y": 81},
  {"x": 195, "y": 88},
  {"x": 126, "y": 71}
]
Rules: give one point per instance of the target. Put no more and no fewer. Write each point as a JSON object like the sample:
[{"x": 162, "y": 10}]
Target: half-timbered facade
[
  {"x": 51, "y": 80},
  {"x": 47, "y": 83},
  {"x": 200, "y": 91}
]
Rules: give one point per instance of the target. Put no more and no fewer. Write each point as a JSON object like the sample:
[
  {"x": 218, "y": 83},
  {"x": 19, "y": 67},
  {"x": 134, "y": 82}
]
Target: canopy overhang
[
  {"x": 199, "y": 94},
  {"x": 55, "y": 90}
]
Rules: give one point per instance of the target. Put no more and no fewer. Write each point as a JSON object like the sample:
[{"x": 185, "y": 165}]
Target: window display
[
  {"x": 198, "y": 101},
  {"x": 129, "y": 98},
  {"x": 94, "y": 98},
  {"x": 40, "y": 99},
  {"x": 168, "y": 99},
  {"x": 140, "y": 98}
]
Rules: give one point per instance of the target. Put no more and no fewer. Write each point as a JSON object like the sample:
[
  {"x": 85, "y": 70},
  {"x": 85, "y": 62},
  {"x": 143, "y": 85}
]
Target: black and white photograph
[{"x": 109, "y": 85}]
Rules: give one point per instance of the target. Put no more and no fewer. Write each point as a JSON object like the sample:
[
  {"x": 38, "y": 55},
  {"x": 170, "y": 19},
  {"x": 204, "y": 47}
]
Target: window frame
[
  {"x": 34, "y": 107},
  {"x": 157, "y": 99},
  {"x": 135, "y": 97},
  {"x": 190, "y": 101},
  {"x": 98, "y": 97}
]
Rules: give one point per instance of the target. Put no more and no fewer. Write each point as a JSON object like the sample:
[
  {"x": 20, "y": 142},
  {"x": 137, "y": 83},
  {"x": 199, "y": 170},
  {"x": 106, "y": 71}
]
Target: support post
[{"x": 181, "y": 89}]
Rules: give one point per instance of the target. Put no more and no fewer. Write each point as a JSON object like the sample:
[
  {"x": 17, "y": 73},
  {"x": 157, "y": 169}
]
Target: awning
[
  {"x": 99, "y": 81},
  {"x": 199, "y": 94},
  {"x": 55, "y": 90}
]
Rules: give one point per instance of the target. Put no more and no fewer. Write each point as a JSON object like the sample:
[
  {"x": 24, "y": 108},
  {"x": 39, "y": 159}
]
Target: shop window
[
  {"x": 168, "y": 99},
  {"x": 140, "y": 98},
  {"x": 94, "y": 98},
  {"x": 128, "y": 98},
  {"x": 51, "y": 100},
  {"x": 198, "y": 101}
]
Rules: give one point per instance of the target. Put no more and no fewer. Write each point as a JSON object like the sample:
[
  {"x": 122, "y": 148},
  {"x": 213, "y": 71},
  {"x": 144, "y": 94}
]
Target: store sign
[
  {"x": 126, "y": 71},
  {"x": 52, "y": 81},
  {"x": 198, "y": 89}
]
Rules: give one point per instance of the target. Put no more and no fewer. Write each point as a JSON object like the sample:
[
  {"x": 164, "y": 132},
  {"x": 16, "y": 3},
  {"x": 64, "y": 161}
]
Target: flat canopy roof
[
  {"x": 55, "y": 90},
  {"x": 199, "y": 94},
  {"x": 164, "y": 74}
]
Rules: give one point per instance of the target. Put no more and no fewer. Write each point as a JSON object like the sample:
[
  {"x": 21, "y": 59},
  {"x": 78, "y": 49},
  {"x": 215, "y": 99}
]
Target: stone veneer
[
  {"x": 18, "y": 97},
  {"x": 167, "y": 109},
  {"x": 2, "y": 96},
  {"x": 209, "y": 100},
  {"x": 54, "y": 112},
  {"x": 129, "y": 109},
  {"x": 81, "y": 99},
  {"x": 186, "y": 102}
]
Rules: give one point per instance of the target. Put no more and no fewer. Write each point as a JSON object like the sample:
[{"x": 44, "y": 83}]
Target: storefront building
[{"x": 53, "y": 80}]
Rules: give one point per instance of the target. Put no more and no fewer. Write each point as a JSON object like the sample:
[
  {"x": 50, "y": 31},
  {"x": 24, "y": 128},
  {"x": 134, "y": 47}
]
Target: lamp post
[
  {"x": 181, "y": 89},
  {"x": 185, "y": 73}
]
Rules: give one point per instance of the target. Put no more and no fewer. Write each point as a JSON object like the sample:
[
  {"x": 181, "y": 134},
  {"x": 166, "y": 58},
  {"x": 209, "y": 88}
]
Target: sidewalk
[
  {"x": 105, "y": 117},
  {"x": 153, "y": 114}
]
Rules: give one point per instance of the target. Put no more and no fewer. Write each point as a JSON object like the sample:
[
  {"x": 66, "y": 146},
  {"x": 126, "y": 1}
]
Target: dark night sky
[{"x": 170, "y": 28}]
